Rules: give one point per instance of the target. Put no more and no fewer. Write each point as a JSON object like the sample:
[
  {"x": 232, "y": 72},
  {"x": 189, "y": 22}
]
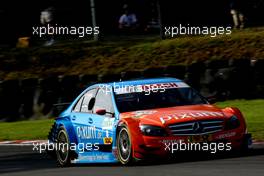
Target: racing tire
[
  {"x": 246, "y": 142},
  {"x": 124, "y": 146},
  {"x": 52, "y": 139},
  {"x": 62, "y": 148}
]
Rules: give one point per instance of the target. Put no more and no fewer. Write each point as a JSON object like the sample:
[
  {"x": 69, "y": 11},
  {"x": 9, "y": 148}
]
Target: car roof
[{"x": 142, "y": 81}]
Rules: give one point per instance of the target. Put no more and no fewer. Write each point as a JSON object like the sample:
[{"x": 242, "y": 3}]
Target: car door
[
  {"x": 104, "y": 123},
  {"x": 82, "y": 121}
]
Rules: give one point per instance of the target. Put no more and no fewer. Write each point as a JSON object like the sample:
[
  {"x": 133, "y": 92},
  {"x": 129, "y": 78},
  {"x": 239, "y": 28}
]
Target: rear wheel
[
  {"x": 62, "y": 148},
  {"x": 124, "y": 146}
]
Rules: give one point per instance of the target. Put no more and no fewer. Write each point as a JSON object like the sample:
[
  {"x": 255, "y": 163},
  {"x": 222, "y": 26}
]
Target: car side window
[
  {"x": 103, "y": 100},
  {"x": 77, "y": 107},
  {"x": 88, "y": 96}
]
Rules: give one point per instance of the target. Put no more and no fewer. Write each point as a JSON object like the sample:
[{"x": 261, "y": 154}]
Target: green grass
[
  {"x": 253, "y": 110},
  {"x": 22, "y": 130},
  {"x": 74, "y": 57}
]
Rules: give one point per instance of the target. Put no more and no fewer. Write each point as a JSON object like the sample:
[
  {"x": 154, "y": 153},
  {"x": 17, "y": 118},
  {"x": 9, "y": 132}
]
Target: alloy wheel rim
[
  {"x": 124, "y": 145},
  {"x": 62, "y": 146}
]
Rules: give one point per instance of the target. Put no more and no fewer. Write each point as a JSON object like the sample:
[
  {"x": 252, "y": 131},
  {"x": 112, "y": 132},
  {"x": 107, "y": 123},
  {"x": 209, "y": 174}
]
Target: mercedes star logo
[{"x": 197, "y": 127}]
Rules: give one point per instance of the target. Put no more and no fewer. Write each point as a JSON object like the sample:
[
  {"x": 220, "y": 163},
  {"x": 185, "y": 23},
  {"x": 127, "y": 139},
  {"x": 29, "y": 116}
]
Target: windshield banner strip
[{"x": 124, "y": 89}]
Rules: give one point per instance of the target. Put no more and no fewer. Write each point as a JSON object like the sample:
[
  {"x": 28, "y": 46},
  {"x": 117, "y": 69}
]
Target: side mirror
[
  {"x": 100, "y": 111},
  {"x": 212, "y": 99}
]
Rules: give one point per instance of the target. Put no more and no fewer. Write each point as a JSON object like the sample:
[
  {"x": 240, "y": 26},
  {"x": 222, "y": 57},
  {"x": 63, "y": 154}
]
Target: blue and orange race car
[{"x": 127, "y": 120}]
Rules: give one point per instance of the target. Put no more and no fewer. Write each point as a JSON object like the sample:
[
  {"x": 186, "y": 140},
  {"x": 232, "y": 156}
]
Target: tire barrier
[
  {"x": 11, "y": 99},
  {"x": 28, "y": 90},
  {"x": 153, "y": 72},
  {"x": 86, "y": 80},
  {"x": 258, "y": 77},
  {"x": 69, "y": 88},
  {"x": 207, "y": 83},
  {"x": 241, "y": 78},
  {"x": 223, "y": 82},
  {"x": 177, "y": 71},
  {"x": 131, "y": 75},
  {"x": 108, "y": 78},
  {"x": 216, "y": 64},
  {"x": 49, "y": 94},
  {"x": 194, "y": 73},
  {"x": 47, "y": 97}
]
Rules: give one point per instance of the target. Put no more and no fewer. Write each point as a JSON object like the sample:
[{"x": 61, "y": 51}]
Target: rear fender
[{"x": 66, "y": 123}]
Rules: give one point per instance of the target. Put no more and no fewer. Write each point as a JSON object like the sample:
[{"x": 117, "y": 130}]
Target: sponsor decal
[
  {"x": 156, "y": 87},
  {"x": 94, "y": 157},
  {"x": 165, "y": 141},
  {"x": 226, "y": 135},
  {"x": 141, "y": 113},
  {"x": 124, "y": 89},
  {"x": 163, "y": 86},
  {"x": 176, "y": 116},
  {"x": 108, "y": 123},
  {"x": 200, "y": 138},
  {"x": 106, "y": 133},
  {"x": 108, "y": 140},
  {"x": 86, "y": 132},
  {"x": 138, "y": 114}
]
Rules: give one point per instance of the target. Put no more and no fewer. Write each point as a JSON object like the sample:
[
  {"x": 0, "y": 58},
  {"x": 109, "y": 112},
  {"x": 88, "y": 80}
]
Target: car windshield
[{"x": 170, "y": 97}]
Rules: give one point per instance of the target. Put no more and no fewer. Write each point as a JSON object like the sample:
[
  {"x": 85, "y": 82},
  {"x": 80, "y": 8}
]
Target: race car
[{"x": 137, "y": 119}]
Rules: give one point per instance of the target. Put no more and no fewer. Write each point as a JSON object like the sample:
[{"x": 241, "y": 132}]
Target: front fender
[
  {"x": 134, "y": 131},
  {"x": 229, "y": 111}
]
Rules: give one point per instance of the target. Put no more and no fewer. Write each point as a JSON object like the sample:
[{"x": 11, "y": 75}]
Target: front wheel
[
  {"x": 124, "y": 146},
  {"x": 246, "y": 143}
]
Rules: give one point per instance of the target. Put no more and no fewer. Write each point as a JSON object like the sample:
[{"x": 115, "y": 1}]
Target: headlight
[
  {"x": 232, "y": 123},
  {"x": 149, "y": 130}
]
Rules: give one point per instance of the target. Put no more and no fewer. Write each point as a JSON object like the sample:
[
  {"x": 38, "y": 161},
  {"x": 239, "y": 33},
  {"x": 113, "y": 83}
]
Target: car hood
[{"x": 167, "y": 116}]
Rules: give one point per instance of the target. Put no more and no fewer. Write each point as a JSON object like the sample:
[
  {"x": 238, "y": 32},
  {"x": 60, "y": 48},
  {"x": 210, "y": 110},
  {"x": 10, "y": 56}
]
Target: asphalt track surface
[{"x": 21, "y": 160}]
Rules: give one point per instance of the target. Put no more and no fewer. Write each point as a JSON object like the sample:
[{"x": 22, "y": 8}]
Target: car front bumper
[{"x": 166, "y": 146}]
